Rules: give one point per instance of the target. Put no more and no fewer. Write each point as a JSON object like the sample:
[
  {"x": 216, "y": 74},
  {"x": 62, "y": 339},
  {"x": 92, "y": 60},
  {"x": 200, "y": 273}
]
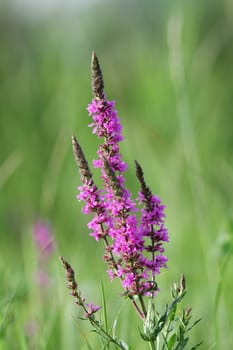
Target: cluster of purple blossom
[{"x": 133, "y": 231}]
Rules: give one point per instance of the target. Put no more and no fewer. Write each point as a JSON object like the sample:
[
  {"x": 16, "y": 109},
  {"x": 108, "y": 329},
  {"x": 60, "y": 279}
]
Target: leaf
[
  {"x": 171, "y": 341},
  {"x": 124, "y": 345},
  {"x": 104, "y": 307},
  {"x": 193, "y": 325},
  {"x": 144, "y": 336},
  {"x": 117, "y": 317},
  {"x": 197, "y": 346},
  {"x": 182, "y": 344},
  {"x": 172, "y": 314}
]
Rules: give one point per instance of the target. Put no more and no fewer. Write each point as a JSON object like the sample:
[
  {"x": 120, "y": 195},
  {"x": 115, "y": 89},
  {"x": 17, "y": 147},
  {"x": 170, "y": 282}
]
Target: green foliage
[{"x": 169, "y": 330}]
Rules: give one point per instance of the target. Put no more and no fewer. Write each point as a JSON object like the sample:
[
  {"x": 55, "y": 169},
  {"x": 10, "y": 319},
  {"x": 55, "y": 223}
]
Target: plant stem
[
  {"x": 105, "y": 334},
  {"x": 166, "y": 335},
  {"x": 142, "y": 314},
  {"x": 152, "y": 345}
]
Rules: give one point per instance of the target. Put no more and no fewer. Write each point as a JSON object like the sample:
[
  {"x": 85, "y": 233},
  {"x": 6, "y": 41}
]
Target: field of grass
[{"x": 168, "y": 65}]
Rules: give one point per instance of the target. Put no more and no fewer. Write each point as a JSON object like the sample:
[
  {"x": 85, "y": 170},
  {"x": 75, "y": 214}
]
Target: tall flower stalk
[
  {"x": 132, "y": 230},
  {"x": 126, "y": 249}
]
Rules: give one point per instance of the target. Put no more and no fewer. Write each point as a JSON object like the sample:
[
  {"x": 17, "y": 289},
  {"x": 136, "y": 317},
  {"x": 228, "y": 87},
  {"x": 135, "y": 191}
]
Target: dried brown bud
[
  {"x": 85, "y": 173},
  {"x": 187, "y": 315},
  {"x": 144, "y": 188},
  {"x": 97, "y": 78},
  {"x": 70, "y": 277},
  {"x": 182, "y": 283}
]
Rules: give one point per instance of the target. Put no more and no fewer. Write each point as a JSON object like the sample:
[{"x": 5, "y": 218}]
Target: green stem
[
  {"x": 166, "y": 335},
  {"x": 152, "y": 345},
  {"x": 104, "y": 334},
  {"x": 142, "y": 314},
  {"x": 143, "y": 306}
]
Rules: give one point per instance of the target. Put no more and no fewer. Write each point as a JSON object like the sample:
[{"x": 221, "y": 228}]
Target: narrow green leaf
[
  {"x": 171, "y": 342},
  {"x": 193, "y": 325},
  {"x": 104, "y": 307},
  {"x": 196, "y": 346},
  {"x": 182, "y": 344}
]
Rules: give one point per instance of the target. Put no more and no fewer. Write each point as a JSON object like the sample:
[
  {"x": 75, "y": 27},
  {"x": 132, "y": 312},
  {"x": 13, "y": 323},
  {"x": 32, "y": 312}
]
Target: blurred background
[{"x": 168, "y": 64}]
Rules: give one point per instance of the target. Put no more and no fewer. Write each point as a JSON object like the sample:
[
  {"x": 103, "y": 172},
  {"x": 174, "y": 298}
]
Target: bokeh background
[{"x": 168, "y": 64}]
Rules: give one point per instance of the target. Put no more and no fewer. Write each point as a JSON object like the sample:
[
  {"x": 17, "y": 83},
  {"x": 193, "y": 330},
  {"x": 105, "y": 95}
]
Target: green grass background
[{"x": 169, "y": 67}]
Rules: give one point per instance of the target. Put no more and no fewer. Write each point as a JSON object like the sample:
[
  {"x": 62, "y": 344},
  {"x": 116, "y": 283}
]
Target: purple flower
[
  {"x": 91, "y": 309},
  {"x": 45, "y": 246},
  {"x": 42, "y": 277},
  {"x": 43, "y": 238}
]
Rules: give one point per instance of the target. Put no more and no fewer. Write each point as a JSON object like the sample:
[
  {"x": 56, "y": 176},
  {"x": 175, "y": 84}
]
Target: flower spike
[
  {"x": 144, "y": 188},
  {"x": 70, "y": 277},
  {"x": 85, "y": 173},
  {"x": 97, "y": 78}
]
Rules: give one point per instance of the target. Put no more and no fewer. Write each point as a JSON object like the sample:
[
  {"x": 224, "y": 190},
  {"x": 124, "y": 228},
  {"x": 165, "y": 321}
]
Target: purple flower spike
[
  {"x": 45, "y": 245},
  {"x": 43, "y": 238},
  {"x": 133, "y": 241}
]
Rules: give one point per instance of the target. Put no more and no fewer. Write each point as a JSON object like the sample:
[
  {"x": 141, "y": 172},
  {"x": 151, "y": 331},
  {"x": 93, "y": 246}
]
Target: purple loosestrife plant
[
  {"x": 132, "y": 230},
  {"x": 129, "y": 255}
]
